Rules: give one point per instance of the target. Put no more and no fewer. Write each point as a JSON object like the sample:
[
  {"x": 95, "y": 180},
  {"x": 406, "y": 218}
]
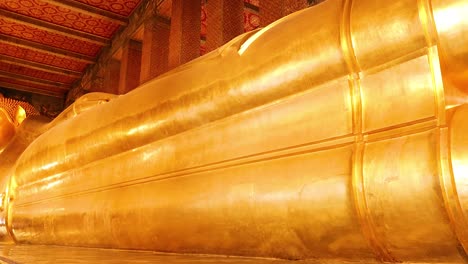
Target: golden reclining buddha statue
[{"x": 338, "y": 132}]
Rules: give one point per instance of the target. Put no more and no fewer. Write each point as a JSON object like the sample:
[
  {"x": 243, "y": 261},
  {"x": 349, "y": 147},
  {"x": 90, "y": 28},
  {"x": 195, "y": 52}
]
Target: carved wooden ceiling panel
[
  {"x": 122, "y": 7},
  {"x": 54, "y": 39},
  {"x": 61, "y": 16},
  {"x": 28, "y": 84},
  {"x": 46, "y": 45},
  {"x": 34, "y": 73},
  {"x": 41, "y": 57}
]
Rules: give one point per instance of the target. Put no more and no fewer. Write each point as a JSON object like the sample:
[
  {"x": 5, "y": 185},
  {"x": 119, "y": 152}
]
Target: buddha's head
[{"x": 12, "y": 114}]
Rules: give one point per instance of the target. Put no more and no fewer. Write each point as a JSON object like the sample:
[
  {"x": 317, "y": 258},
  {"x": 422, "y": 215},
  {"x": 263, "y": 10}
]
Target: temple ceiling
[{"x": 46, "y": 45}]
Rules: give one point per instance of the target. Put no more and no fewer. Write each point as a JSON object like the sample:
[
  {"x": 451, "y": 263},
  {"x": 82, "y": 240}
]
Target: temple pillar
[
  {"x": 291, "y": 6},
  {"x": 225, "y": 20},
  {"x": 155, "y": 48},
  {"x": 184, "y": 39},
  {"x": 130, "y": 67},
  {"x": 272, "y": 10},
  {"x": 111, "y": 77}
]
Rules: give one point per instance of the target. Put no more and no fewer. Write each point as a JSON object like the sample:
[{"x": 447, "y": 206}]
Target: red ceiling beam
[
  {"x": 69, "y": 32},
  {"x": 31, "y": 89},
  {"x": 35, "y": 84},
  {"x": 38, "y": 66},
  {"x": 59, "y": 85},
  {"x": 90, "y": 10},
  {"x": 45, "y": 48}
]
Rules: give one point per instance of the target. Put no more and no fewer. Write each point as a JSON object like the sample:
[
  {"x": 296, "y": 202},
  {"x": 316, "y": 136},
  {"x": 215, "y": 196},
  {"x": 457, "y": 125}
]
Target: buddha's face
[{"x": 7, "y": 129}]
